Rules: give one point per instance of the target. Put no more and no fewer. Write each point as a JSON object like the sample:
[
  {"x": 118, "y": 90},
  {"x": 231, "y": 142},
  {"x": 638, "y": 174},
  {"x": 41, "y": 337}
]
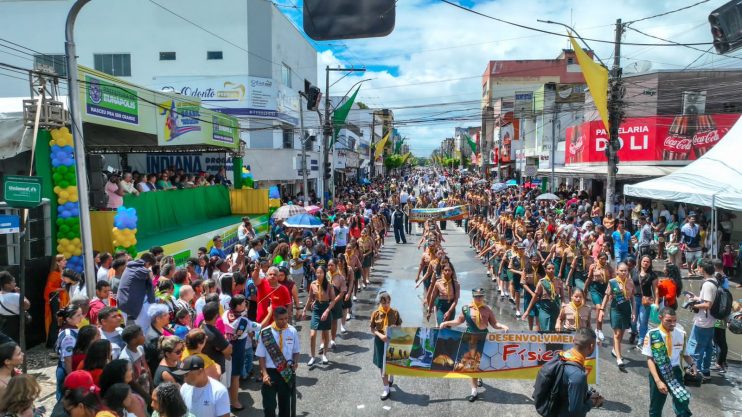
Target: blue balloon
[{"x": 65, "y": 214}]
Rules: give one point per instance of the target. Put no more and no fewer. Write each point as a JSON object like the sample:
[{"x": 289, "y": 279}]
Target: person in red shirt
[
  {"x": 102, "y": 292},
  {"x": 667, "y": 288},
  {"x": 271, "y": 294}
]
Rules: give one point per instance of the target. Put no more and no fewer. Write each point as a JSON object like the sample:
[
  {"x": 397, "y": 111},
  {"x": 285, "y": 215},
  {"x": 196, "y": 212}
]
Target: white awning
[
  {"x": 713, "y": 180},
  {"x": 625, "y": 172}
]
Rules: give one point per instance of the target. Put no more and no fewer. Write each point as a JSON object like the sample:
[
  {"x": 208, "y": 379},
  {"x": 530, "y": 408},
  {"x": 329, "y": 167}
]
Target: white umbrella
[
  {"x": 284, "y": 212},
  {"x": 548, "y": 196}
]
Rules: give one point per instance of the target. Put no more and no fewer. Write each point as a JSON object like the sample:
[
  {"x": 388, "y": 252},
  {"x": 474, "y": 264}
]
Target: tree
[
  {"x": 362, "y": 105},
  {"x": 393, "y": 161}
]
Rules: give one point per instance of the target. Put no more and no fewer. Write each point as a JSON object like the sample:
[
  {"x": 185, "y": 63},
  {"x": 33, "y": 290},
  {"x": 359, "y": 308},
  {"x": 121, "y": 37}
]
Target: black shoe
[
  {"x": 385, "y": 396},
  {"x": 479, "y": 382},
  {"x": 236, "y": 409},
  {"x": 472, "y": 398},
  {"x": 632, "y": 338},
  {"x": 391, "y": 382}
]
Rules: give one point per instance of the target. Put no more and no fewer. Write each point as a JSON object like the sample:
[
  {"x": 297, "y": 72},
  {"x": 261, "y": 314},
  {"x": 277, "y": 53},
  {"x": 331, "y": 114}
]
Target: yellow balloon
[
  {"x": 77, "y": 252},
  {"x": 116, "y": 242},
  {"x": 57, "y": 189},
  {"x": 73, "y": 198},
  {"x": 133, "y": 241},
  {"x": 61, "y": 201},
  {"x": 76, "y": 240}
]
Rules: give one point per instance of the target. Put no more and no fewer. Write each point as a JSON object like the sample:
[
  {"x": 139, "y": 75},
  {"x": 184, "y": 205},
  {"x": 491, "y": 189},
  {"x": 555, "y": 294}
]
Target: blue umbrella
[
  {"x": 498, "y": 187},
  {"x": 512, "y": 183},
  {"x": 304, "y": 221}
]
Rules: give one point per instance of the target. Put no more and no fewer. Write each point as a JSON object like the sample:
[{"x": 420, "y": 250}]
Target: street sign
[
  {"x": 22, "y": 191},
  {"x": 9, "y": 224}
]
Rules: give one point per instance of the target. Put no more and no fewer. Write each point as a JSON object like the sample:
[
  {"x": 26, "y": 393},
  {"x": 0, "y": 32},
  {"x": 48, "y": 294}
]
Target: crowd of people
[
  {"x": 120, "y": 184},
  {"x": 166, "y": 339},
  {"x": 178, "y": 340}
]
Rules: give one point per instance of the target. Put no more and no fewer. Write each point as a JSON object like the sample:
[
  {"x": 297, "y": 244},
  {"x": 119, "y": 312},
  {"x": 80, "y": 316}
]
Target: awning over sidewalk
[{"x": 625, "y": 172}]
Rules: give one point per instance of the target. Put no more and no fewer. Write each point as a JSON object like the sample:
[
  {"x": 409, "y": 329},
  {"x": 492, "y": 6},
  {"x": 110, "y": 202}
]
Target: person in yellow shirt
[{"x": 195, "y": 341}]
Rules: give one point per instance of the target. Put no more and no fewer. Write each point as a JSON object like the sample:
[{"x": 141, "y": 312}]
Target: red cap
[{"x": 81, "y": 379}]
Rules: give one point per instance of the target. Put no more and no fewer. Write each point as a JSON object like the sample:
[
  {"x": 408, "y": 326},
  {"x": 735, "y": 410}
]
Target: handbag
[{"x": 672, "y": 250}]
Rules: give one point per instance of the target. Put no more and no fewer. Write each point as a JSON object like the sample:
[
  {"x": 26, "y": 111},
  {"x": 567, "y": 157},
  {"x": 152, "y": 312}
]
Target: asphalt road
[{"x": 350, "y": 386}]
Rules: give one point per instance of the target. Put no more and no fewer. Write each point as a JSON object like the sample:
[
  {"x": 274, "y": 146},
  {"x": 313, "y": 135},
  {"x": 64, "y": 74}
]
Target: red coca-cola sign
[{"x": 671, "y": 139}]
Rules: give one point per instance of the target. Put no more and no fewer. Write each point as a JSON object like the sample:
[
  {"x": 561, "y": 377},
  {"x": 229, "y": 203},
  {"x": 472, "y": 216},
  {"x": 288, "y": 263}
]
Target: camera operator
[
  {"x": 114, "y": 191},
  {"x": 701, "y": 341}
]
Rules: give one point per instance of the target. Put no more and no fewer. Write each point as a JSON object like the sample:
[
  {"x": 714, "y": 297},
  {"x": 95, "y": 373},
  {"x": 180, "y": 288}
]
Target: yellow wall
[{"x": 249, "y": 201}]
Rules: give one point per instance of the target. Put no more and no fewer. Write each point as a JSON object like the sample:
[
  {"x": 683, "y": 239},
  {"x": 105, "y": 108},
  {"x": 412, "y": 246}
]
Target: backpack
[
  {"x": 722, "y": 305},
  {"x": 546, "y": 389}
]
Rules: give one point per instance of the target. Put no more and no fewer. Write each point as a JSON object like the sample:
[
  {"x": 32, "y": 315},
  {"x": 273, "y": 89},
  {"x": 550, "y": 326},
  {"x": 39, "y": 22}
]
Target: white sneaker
[
  {"x": 347, "y": 317},
  {"x": 311, "y": 361},
  {"x": 517, "y": 313},
  {"x": 332, "y": 343},
  {"x": 619, "y": 362},
  {"x": 324, "y": 360},
  {"x": 355, "y": 298},
  {"x": 321, "y": 348},
  {"x": 342, "y": 330},
  {"x": 601, "y": 336}
]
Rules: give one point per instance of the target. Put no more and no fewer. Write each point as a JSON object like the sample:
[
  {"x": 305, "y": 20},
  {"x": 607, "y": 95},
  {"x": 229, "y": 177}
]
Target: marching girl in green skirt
[
  {"x": 547, "y": 300},
  {"x": 598, "y": 276},
  {"x": 445, "y": 295},
  {"x": 321, "y": 298},
  {"x": 558, "y": 256},
  {"x": 531, "y": 276},
  {"x": 381, "y": 319},
  {"x": 578, "y": 270},
  {"x": 502, "y": 272},
  {"x": 620, "y": 293}
]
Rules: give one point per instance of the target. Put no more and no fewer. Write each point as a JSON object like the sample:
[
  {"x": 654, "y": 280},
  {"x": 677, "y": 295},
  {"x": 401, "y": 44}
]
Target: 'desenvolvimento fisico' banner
[{"x": 448, "y": 353}]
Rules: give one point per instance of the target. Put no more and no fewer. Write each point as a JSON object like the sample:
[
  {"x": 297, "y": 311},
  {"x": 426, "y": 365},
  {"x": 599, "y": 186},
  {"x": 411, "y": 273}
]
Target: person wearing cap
[
  {"x": 272, "y": 361},
  {"x": 478, "y": 317},
  {"x": 204, "y": 396}
]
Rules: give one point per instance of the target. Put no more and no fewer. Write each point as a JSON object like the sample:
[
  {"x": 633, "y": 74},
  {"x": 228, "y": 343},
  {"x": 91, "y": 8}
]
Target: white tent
[{"x": 713, "y": 180}]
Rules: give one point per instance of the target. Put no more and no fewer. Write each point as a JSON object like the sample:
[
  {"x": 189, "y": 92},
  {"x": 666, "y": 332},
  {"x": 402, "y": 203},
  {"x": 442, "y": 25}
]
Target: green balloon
[
  {"x": 64, "y": 184},
  {"x": 60, "y": 222},
  {"x": 72, "y": 181},
  {"x": 57, "y": 177},
  {"x": 64, "y": 229},
  {"x": 62, "y": 169}
]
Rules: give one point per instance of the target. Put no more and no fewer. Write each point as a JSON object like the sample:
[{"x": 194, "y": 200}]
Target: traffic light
[
  {"x": 328, "y": 170},
  {"x": 313, "y": 95},
  {"x": 726, "y": 27}
]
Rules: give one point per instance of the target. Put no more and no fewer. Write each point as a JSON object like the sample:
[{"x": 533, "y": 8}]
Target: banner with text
[
  {"x": 448, "y": 353},
  {"x": 438, "y": 214},
  {"x": 673, "y": 140}
]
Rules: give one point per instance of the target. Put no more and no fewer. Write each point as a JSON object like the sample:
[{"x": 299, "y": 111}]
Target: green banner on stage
[{"x": 168, "y": 210}]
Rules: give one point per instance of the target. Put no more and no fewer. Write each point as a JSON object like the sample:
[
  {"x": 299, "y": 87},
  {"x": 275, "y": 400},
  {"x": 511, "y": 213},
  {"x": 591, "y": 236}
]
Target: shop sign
[
  {"x": 667, "y": 139},
  {"x": 9, "y": 224},
  {"x": 22, "y": 191}
]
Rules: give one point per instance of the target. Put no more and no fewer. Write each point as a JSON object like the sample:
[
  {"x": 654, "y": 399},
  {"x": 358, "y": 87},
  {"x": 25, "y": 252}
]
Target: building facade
[{"x": 251, "y": 64}]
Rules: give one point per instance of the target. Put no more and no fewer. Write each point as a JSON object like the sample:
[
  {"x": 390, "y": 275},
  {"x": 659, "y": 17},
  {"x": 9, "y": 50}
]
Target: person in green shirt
[{"x": 164, "y": 182}]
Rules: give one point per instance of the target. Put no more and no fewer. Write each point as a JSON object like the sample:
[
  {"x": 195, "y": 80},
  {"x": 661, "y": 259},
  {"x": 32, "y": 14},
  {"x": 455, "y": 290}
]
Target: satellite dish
[{"x": 639, "y": 67}]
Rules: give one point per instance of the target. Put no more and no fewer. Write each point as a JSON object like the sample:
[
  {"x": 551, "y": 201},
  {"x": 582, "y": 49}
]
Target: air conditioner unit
[{"x": 694, "y": 102}]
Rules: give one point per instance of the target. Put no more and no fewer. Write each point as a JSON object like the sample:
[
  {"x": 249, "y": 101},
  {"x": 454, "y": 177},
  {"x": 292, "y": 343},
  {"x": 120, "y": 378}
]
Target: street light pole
[
  {"x": 86, "y": 236},
  {"x": 303, "y": 141}
]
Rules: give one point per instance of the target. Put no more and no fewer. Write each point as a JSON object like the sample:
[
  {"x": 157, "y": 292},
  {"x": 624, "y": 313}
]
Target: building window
[
  {"x": 58, "y": 62},
  {"x": 167, "y": 56},
  {"x": 286, "y": 75},
  {"x": 214, "y": 55},
  {"x": 118, "y": 65},
  {"x": 288, "y": 139},
  {"x": 570, "y": 61}
]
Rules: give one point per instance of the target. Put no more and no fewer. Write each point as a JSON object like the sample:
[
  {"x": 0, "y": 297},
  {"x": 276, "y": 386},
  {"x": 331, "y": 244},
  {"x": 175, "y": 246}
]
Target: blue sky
[{"x": 429, "y": 69}]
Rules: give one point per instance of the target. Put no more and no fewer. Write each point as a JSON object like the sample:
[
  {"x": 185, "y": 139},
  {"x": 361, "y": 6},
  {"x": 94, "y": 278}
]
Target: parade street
[{"x": 349, "y": 384}]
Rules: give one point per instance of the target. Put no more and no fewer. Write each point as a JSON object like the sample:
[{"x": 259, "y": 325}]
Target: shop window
[
  {"x": 167, "y": 56},
  {"x": 214, "y": 55},
  {"x": 288, "y": 139},
  {"x": 118, "y": 65}
]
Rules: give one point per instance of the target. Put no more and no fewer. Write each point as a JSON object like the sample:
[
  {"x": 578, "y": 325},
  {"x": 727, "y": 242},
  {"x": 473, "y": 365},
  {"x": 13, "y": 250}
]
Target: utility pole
[
  {"x": 499, "y": 148},
  {"x": 615, "y": 115},
  {"x": 552, "y": 154},
  {"x": 304, "y": 140},
  {"x": 372, "y": 166}
]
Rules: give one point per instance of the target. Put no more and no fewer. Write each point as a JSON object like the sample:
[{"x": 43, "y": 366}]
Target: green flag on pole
[
  {"x": 340, "y": 114},
  {"x": 471, "y": 143}
]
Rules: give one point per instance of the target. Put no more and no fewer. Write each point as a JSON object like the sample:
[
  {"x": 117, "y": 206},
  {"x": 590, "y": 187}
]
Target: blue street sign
[{"x": 9, "y": 224}]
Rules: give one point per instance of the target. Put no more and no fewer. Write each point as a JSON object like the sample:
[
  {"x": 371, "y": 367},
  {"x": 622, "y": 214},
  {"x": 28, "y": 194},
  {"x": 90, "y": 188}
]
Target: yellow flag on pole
[
  {"x": 407, "y": 155},
  {"x": 379, "y": 151},
  {"x": 596, "y": 77}
]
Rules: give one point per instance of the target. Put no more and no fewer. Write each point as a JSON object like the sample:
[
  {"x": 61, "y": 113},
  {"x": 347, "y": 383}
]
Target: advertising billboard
[{"x": 670, "y": 140}]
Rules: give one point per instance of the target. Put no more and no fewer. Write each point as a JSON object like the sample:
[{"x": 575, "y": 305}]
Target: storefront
[{"x": 650, "y": 147}]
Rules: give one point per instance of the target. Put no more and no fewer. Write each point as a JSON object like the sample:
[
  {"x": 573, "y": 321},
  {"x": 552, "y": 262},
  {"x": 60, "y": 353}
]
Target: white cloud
[{"x": 434, "y": 41}]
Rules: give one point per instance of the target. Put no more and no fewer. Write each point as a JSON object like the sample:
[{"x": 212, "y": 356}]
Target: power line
[
  {"x": 708, "y": 51},
  {"x": 667, "y": 13},
  {"x": 458, "y": 6}
]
